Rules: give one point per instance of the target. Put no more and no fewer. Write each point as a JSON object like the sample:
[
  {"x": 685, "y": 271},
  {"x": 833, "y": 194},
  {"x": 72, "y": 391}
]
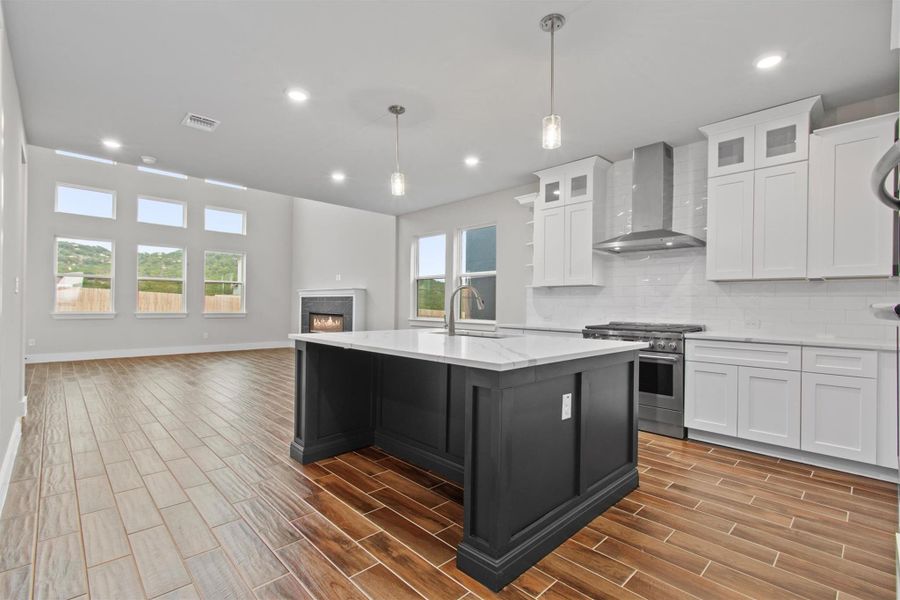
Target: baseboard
[
  {"x": 810, "y": 458},
  {"x": 159, "y": 351},
  {"x": 9, "y": 458}
]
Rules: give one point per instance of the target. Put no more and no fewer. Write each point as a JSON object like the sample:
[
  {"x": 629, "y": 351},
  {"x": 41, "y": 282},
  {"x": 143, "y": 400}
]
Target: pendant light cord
[
  {"x": 552, "y": 32},
  {"x": 397, "y": 142}
]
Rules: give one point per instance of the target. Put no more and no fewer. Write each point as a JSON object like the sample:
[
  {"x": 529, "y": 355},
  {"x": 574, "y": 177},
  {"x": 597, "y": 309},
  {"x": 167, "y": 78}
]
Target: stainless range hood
[{"x": 651, "y": 206}]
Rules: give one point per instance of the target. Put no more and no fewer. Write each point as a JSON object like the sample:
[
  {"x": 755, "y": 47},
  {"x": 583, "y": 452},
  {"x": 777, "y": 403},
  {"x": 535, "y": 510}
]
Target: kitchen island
[{"x": 541, "y": 431}]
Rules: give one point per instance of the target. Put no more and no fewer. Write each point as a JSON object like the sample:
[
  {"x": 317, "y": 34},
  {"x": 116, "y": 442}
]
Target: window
[
  {"x": 225, "y": 220},
  {"x": 89, "y": 202},
  {"x": 160, "y": 279},
  {"x": 157, "y": 211},
  {"x": 429, "y": 278},
  {"x": 478, "y": 268},
  {"x": 84, "y": 276},
  {"x": 223, "y": 282}
]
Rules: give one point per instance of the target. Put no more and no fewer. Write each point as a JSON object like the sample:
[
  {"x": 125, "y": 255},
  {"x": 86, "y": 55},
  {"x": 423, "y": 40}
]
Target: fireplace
[
  {"x": 324, "y": 323},
  {"x": 329, "y": 311}
]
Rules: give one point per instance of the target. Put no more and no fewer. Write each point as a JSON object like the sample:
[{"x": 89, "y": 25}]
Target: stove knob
[
  {"x": 660, "y": 345},
  {"x": 673, "y": 346}
]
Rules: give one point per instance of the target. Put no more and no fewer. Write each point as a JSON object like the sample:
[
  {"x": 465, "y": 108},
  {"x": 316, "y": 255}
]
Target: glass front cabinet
[
  {"x": 567, "y": 218},
  {"x": 767, "y": 138}
]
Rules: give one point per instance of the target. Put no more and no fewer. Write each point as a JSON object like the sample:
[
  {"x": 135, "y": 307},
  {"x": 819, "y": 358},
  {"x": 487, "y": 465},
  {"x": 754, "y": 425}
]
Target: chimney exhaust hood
[{"x": 651, "y": 206}]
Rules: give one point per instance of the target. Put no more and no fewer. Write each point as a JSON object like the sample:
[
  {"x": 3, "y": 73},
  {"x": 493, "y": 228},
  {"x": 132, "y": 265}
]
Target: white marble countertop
[
  {"x": 512, "y": 351},
  {"x": 823, "y": 341}
]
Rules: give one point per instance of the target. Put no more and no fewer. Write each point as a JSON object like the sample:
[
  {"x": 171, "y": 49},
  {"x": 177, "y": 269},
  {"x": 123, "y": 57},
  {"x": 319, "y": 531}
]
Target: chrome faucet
[{"x": 452, "y": 329}]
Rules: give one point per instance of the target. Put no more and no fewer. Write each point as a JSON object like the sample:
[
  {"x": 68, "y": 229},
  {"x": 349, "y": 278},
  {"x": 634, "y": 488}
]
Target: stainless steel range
[{"x": 661, "y": 373}]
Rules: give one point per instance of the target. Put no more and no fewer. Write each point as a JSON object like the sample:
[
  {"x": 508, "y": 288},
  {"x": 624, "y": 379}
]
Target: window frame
[
  {"x": 243, "y": 282},
  {"x": 243, "y": 214},
  {"x": 137, "y": 272},
  {"x": 414, "y": 280},
  {"x": 184, "y": 211},
  {"x": 78, "y": 186},
  {"x": 112, "y": 281},
  {"x": 459, "y": 272}
]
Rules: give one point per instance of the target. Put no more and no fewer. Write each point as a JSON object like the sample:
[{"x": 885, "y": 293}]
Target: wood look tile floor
[{"x": 169, "y": 477}]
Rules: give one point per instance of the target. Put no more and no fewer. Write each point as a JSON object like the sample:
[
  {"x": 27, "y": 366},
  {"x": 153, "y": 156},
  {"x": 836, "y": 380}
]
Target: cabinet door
[
  {"x": 850, "y": 232},
  {"x": 711, "y": 397},
  {"x": 769, "y": 406},
  {"x": 731, "y": 152},
  {"x": 782, "y": 141},
  {"x": 729, "y": 235},
  {"x": 549, "y": 246},
  {"x": 779, "y": 221},
  {"x": 551, "y": 192},
  {"x": 579, "y": 184},
  {"x": 839, "y": 416},
  {"x": 579, "y": 244}
]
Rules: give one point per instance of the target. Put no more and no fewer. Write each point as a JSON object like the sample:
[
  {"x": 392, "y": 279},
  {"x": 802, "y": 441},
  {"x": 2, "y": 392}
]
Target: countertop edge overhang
[{"x": 495, "y": 354}]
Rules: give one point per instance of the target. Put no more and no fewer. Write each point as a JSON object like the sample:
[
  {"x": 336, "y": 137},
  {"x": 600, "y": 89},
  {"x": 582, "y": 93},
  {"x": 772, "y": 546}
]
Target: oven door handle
[{"x": 667, "y": 357}]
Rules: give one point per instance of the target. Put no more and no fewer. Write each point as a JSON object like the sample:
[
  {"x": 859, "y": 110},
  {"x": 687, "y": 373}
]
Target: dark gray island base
[{"x": 531, "y": 479}]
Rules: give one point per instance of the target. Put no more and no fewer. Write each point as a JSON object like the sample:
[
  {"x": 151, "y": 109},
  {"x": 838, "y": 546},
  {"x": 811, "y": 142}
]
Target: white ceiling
[{"x": 473, "y": 76}]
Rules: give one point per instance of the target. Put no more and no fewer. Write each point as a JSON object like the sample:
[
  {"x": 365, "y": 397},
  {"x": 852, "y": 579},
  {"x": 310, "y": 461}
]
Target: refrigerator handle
[{"x": 883, "y": 169}]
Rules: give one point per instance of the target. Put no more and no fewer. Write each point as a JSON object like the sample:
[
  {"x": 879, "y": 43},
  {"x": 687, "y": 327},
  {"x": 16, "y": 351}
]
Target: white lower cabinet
[
  {"x": 711, "y": 397},
  {"x": 839, "y": 416},
  {"x": 838, "y": 402},
  {"x": 769, "y": 406}
]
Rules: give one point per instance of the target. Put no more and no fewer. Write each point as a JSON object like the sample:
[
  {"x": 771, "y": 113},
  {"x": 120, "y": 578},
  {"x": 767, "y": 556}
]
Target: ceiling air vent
[{"x": 199, "y": 122}]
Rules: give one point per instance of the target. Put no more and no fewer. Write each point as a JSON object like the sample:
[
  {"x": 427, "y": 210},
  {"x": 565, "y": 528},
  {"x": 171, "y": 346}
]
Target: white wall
[
  {"x": 357, "y": 245},
  {"x": 498, "y": 208},
  {"x": 267, "y": 245},
  {"x": 671, "y": 285},
  {"x": 12, "y": 249}
]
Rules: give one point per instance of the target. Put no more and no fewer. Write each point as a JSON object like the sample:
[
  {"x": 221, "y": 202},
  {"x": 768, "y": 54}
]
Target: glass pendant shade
[
  {"x": 552, "y": 132},
  {"x": 398, "y": 184}
]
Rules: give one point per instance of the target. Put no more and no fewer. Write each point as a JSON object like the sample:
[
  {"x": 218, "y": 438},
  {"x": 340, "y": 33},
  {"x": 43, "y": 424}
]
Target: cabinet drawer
[
  {"x": 840, "y": 361},
  {"x": 770, "y": 356}
]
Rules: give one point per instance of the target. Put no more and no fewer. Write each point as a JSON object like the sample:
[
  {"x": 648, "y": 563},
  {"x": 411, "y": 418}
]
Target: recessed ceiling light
[
  {"x": 112, "y": 144},
  {"x": 471, "y": 161},
  {"x": 148, "y": 160},
  {"x": 226, "y": 184},
  {"x": 105, "y": 161},
  {"x": 297, "y": 95},
  {"x": 338, "y": 176},
  {"x": 161, "y": 172},
  {"x": 768, "y": 61}
]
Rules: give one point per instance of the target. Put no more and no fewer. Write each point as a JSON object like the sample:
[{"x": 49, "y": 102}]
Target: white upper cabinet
[
  {"x": 567, "y": 211},
  {"x": 782, "y": 141},
  {"x": 729, "y": 239},
  {"x": 550, "y": 246},
  {"x": 552, "y": 186},
  {"x": 731, "y": 151},
  {"x": 850, "y": 231},
  {"x": 779, "y": 221},
  {"x": 579, "y": 242},
  {"x": 770, "y": 137},
  {"x": 758, "y": 192}
]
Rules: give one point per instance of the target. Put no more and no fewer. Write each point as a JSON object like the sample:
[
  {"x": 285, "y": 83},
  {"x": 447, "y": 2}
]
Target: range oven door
[{"x": 661, "y": 380}]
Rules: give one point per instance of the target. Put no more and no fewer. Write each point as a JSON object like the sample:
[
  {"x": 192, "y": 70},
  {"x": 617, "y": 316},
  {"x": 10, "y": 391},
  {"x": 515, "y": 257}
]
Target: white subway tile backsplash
[{"x": 671, "y": 286}]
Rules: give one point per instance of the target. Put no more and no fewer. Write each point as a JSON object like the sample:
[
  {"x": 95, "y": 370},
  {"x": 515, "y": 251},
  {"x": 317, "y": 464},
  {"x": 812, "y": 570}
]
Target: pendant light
[
  {"x": 398, "y": 181},
  {"x": 552, "y": 125}
]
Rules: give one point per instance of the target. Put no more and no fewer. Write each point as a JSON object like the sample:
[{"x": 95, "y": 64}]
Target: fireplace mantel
[{"x": 358, "y": 295}]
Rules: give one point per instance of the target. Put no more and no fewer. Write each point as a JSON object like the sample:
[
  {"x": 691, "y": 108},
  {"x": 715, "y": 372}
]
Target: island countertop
[{"x": 512, "y": 351}]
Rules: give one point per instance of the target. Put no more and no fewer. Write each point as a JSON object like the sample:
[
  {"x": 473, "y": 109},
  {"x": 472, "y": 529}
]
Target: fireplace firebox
[{"x": 325, "y": 323}]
